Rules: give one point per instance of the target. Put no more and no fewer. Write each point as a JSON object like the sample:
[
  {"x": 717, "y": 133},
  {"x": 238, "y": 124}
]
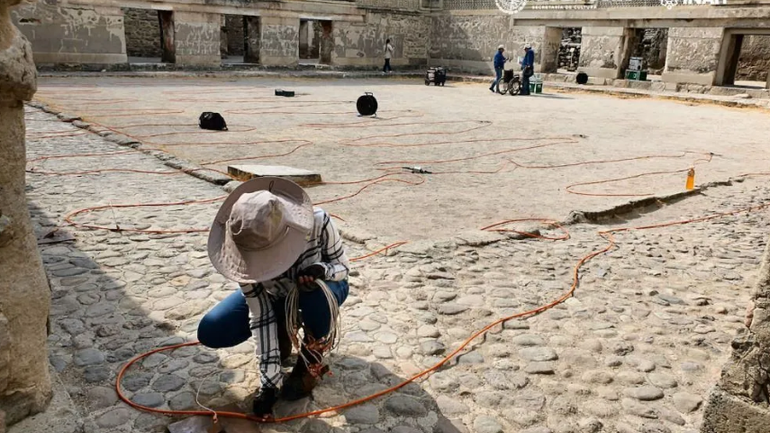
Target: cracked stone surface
[{"x": 617, "y": 356}]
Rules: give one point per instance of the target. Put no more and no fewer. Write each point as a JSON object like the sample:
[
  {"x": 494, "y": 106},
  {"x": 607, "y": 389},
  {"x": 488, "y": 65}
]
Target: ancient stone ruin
[
  {"x": 24, "y": 294},
  {"x": 740, "y": 402},
  {"x": 710, "y": 45}
]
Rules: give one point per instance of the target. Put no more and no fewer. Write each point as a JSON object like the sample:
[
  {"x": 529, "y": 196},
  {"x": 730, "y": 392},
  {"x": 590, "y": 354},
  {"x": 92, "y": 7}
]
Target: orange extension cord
[{"x": 608, "y": 235}]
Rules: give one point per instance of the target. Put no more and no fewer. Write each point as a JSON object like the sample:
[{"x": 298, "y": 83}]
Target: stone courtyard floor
[{"x": 635, "y": 350}]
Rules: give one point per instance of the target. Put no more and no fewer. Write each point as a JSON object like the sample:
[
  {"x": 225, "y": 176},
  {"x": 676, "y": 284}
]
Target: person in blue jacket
[
  {"x": 527, "y": 68},
  {"x": 499, "y": 65}
]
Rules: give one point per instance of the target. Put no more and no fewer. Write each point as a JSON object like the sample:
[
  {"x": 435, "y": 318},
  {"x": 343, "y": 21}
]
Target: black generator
[{"x": 437, "y": 76}]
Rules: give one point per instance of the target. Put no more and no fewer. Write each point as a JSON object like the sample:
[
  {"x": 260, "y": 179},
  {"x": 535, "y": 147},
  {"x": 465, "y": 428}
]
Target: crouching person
[{"x": 291, "y": 266}]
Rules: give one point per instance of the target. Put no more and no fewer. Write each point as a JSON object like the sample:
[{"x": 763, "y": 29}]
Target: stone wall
[
  {"x": 693, "y": 54},
  {"x": 469, "y": 42},
  {"x": 82, "y": 34},
  {"x": 363, "y": 44},
  {"x": 754, "y": 61},
  {"x": 196, "y": 39},
  {"x": 142, "y": 32},
  {"x": 602, "y": 51},
  {"x": 280, "y": 41}
]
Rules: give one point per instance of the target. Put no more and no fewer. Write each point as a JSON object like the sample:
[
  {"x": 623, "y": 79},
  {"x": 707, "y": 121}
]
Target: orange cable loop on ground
[
  {"x": 608, "y": 235},
  {"x": 568, "y": 188},
  {"x": 68, "y": 218},
  {"x": 352, "y": 142},
  {"x": 247, "y": 158}
]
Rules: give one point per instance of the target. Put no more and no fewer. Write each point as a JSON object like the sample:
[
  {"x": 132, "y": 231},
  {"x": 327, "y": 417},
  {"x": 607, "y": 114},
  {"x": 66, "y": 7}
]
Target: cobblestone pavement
[{"x": 636, "y": 350}]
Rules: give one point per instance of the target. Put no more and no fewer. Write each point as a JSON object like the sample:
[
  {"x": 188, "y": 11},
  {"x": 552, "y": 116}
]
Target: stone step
[{"x": 300, "y": 176}]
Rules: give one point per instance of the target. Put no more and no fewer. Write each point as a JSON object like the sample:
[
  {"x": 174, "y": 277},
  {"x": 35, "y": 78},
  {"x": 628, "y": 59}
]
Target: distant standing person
[
  {"x": 388, "y": 55},
  {"x": 499, "y": 63},
  {"x": 527, "y": 68}
]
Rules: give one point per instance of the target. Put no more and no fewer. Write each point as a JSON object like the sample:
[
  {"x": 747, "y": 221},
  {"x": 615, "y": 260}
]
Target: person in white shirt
[{"x": 388, "y": 55}]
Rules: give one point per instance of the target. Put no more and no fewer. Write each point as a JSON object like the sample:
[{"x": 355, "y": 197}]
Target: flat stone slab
[{"x": 300, "y": 176}]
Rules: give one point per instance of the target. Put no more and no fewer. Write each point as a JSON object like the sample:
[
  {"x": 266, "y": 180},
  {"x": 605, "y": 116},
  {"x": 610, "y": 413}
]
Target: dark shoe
[
  {"x": 264, "y": 402},
  {"x": 303, "y": 379}
]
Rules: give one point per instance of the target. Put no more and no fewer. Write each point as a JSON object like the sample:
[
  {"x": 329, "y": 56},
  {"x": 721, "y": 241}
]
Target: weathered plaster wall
[
  {"x": 363, "y": 44},
  {"x": 196, "y": 39},
  {"x": 279, "y": 41},
  {"x": 142, "y": 32},
  {"x": 693, "y": 54},
  {"x": 601, "y": 51},
  {"x": 77, "y": 34},
  {"x": 754, "y": 62},
  {"x": 469, "y": 42}
]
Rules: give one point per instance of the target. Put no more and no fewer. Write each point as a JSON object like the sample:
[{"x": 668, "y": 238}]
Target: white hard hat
[
  {"x": 528, "y": 46},
  {"x": 501, "y": 47}
]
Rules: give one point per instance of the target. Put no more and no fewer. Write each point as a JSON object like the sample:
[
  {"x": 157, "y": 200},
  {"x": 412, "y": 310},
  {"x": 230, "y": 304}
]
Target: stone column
[
  {"x": 196, "y": 39},
  {"x": 739, "y": 401},
  {"x": 549, "y": 51},
  {"x": 304, "y": 37},
  {"x": 25, "y": 386},
  {"x": 279, "y": 41},
  {"x": 693, "y": 55},
  {"x": 168, "y": 53},
  {"x": 327, "y": 42},
  {"x": 253, "y": 34},
  {"x": 602, "y": 51}
]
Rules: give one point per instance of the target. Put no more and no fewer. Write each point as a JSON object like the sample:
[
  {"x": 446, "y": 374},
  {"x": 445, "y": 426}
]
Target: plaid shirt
[{"x": 325, "y": 248}]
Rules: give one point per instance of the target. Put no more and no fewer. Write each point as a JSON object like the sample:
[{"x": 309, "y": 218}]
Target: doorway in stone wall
[
  {"x": 651, "y": 45},
  {"x": 315, "y": 42},
  {"x": 744, "y": 58},
  {"x": 751, "y": 61},
  {"x": 149, "y": 35},
  {"x": 569, "y": 50},
  {"x": 239, "y": 39}
]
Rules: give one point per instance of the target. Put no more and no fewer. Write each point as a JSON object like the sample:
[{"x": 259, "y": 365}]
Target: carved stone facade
[{"x": 686, "y": 44}]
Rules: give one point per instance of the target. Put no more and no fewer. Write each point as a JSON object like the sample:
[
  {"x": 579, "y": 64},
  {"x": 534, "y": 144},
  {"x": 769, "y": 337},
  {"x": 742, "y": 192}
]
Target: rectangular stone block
[
  {"x": 196, "y": 39},
  {"x": 298, "y": 175},
  {"x": 693, "y": 55},
  {"x": 279, "y": 41},
  {"x": 602, "y": 31},
  {"x": 81, "y": 34}
]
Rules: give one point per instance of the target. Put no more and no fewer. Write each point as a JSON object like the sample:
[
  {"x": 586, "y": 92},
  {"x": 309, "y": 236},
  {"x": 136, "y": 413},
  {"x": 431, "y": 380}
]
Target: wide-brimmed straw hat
[{"x": 260, "y": 230}]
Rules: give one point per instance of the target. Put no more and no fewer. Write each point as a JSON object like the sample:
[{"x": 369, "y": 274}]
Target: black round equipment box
[
  {"x": 367, "y": 105},
  {"x": 581, "y": 78}
]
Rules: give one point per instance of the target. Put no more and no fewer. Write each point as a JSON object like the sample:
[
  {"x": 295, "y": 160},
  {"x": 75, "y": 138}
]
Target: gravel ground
[{"x": 421, "y": 125}]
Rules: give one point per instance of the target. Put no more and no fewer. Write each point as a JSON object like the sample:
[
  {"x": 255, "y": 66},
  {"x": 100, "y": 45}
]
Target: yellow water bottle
[{"x": 690, "y": 179}]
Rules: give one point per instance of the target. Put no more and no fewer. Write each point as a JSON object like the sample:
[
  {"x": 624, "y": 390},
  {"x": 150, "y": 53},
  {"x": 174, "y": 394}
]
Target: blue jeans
[
  {"x": 227, "y": 324},
  {"x": 498, "y": 76}
]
